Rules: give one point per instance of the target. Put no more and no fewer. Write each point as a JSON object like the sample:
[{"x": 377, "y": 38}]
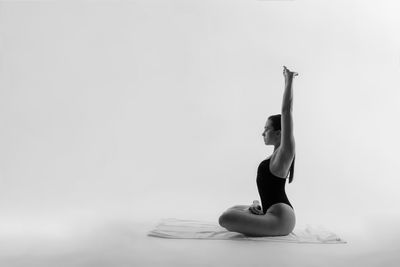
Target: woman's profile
[{"x": 276, "y": 217}]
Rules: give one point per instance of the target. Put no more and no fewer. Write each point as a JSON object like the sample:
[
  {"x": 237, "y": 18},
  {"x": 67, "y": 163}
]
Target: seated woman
[{"x": 276, "y": 217}]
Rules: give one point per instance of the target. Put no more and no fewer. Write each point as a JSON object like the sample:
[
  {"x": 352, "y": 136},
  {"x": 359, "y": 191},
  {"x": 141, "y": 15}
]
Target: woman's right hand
[{"x": 255, "y": 208}]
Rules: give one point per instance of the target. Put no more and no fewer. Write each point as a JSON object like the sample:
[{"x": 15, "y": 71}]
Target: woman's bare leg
[{"x": 239, "y": 207}]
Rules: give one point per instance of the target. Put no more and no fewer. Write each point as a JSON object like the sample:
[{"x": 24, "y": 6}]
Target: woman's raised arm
[{"x": 287, "y": 137}]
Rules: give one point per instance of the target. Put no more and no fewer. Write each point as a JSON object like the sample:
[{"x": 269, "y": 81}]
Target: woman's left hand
[
  {"x": 256, "y": 208},
  {"x": 288, "y": 74}
]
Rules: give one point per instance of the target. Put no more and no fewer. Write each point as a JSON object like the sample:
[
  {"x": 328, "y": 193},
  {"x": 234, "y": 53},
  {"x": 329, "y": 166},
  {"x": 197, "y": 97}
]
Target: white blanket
[{"x": 192, "y": 229}]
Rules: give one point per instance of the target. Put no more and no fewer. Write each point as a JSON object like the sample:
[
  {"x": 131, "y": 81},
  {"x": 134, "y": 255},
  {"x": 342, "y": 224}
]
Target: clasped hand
[
  {"x": 255, "y": 208},
  {"x": 289, "y": 74}
]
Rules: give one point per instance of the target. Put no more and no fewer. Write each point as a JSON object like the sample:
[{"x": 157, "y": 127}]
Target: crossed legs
[{"x": 240, "y": 219}]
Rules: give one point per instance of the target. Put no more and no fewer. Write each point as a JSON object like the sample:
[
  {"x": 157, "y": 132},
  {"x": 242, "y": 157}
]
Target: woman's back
[{"x": 270, "y": 187}]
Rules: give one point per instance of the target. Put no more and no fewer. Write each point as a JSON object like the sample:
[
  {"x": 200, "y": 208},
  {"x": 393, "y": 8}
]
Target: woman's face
[{"x": 269, "y": 134}]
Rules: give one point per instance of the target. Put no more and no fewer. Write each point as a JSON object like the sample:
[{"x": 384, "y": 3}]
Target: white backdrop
[{"x": 153, "y": 109}]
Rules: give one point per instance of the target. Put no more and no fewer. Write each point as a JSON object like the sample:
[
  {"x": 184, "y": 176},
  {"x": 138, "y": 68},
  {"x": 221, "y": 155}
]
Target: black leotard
[{"x": 270, "y": 187}]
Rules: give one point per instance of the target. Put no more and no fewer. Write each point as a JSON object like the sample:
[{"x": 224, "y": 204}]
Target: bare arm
[
  {"x": 287, "y": 103},
  {"x": 287, "y": 137}
]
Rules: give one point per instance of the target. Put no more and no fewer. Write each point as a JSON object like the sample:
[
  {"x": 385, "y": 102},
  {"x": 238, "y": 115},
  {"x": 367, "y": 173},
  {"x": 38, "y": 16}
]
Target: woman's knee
[
  {"x": 221, "y": 220},
  {"x": 226, "y": 218}
]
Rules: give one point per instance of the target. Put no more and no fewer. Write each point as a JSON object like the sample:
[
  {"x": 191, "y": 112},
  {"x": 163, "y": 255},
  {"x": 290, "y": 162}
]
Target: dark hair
[{"x": 276, "y": 124}]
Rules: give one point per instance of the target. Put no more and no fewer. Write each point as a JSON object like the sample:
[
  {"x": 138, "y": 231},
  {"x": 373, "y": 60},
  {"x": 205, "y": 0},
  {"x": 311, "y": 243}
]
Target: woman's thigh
[
  {"x": 245, "y": 222},
  {"x": 239, "y": 207}
]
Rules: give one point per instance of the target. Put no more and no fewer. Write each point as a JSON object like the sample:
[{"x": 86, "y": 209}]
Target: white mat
[{"x": 192, "y": 229}]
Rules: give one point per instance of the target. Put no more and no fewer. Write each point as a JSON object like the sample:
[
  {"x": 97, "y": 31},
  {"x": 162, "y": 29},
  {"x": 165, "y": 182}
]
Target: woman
[{"x": 276, "y": 217}]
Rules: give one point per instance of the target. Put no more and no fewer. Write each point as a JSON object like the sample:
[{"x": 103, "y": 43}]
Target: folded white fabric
[{"x": 193, "y": 229}]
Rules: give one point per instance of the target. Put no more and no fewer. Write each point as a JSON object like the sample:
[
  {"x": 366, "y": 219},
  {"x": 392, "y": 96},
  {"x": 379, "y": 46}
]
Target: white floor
[{"x": 125, "y": 243}]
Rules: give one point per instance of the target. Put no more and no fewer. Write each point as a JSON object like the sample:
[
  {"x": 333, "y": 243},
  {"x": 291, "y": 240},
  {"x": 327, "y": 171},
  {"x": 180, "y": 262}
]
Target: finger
[
  {"x": 252, "y": 210},
  {"x": 256, "y": 209}
]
